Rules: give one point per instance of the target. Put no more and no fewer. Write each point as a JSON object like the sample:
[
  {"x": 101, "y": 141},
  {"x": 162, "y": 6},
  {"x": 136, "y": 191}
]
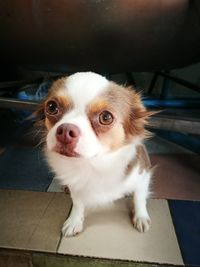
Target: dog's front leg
[
  {"x": 141, "y": 219},
  {"x": 74, "y": 223}
]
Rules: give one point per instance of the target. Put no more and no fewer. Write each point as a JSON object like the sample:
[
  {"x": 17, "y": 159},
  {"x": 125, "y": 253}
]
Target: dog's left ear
[{"x": 138, "y": 115}]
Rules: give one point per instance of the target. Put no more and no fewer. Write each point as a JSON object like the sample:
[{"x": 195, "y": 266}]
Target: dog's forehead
[{"x": 83, "y": 87}]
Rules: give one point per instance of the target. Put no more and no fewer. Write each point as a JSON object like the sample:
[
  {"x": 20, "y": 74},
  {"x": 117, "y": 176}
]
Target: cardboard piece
[
  {"x": 32, "y": 220},
  {"x": 109, "y": 234}
]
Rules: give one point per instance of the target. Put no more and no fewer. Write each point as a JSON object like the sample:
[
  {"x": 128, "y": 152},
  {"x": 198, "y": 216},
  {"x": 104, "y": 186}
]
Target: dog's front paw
[
  {"x": 142, "y": 223},
  {"x": 72, "y": 226}
]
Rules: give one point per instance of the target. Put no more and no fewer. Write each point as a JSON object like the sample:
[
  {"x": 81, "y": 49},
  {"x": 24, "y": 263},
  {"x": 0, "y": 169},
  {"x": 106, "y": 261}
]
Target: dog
[{"x": 94, "y": 137}]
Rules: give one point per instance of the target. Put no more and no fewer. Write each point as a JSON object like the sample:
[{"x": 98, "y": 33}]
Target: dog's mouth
[{"x": 66, "y": 151}]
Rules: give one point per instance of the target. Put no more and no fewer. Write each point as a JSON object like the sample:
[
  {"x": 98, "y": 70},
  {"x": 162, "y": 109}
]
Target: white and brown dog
[{"x": 95, "y": 130}]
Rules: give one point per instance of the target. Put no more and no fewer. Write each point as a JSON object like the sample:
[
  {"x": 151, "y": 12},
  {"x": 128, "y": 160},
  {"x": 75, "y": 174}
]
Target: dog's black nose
[{"x": 67, "y": 133}]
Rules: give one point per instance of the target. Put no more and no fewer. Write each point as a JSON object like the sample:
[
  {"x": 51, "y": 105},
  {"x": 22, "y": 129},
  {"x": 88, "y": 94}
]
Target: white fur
[
  {"x": 98, "y": 177},
  {"x": 82, "y": 87},
  {"x": 95, "y": 181}
]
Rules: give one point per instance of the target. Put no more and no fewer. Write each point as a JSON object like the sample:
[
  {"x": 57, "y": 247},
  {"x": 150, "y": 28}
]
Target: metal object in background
[
  {"x": 170, "y": 77},
  {"x": 181, "y": 81},
  {"x": 177, "y": 103},
  {"x": 6, "y": 102},
  {"x": 176, "y": 124}
]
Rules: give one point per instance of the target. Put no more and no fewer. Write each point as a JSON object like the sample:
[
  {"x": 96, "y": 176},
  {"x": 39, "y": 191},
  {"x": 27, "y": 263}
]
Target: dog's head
[{"x": 86, "y": 115}]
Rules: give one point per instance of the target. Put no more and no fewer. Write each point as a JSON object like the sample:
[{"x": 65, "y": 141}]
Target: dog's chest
[
  {"x": 98, "y": 181},
  {"x": 98, "y": 187}
]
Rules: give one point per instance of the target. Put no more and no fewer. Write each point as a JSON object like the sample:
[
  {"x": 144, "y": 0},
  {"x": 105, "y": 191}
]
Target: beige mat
[{"x": 109, "y": 234}]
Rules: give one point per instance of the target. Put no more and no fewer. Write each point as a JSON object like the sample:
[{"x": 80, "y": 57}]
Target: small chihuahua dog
[{"x": 94, "y": 144}]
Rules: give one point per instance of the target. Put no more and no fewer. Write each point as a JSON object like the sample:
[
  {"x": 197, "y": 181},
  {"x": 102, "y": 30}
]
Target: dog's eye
[
  {"x": 106, "y": 118},
  {"x": 52, "y": 107}
]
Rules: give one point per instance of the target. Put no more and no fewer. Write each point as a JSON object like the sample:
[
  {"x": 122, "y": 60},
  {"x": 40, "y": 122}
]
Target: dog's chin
[
  {"x": 69, "y": 151},
  {"x": 64, "y": 151},
  {"x": 69, "y": 154}
]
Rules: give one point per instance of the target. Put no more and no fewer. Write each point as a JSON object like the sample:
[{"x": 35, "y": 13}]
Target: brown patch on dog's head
[
  {"x": 110, "y": 132},
  {"x": 58, "y": 98},
  {"x": 128, "y": 112},
  {"x": 137, "y": 119},
  {"x": 61, "y": 104},
  {"x": 131, "y": 111}
]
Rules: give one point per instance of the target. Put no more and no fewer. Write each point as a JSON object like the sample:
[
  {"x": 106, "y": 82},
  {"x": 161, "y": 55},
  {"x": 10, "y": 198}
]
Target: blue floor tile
[
  {"x": 25, "y": 169},
  {"x": 186, "y": 219}
]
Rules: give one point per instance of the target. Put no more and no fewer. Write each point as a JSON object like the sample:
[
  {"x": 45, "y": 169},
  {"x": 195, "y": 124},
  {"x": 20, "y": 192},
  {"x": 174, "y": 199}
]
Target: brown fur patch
[
  {"x": 114, "y": 139},
  {"x": 58, "y": 94},
  {"x": 64, "y": 104},
  {"x": 132, "y": 164},
  {"x": 57, "y": 87},
  {"x": 131, "y": 112},
  {"x": 141, "y": 159},
  {"x": 128, "y": 111},
  {"x": 94, "y": 110},
  {"x": 48, "y": 124},
  {"x": 111, "y": 135},
  {"x": 97, "y": 106}
]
